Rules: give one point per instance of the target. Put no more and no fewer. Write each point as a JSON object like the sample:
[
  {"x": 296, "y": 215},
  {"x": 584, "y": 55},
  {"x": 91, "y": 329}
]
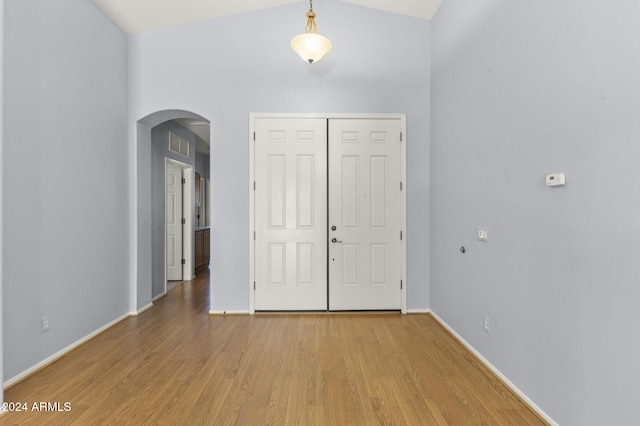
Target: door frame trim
[
  {"x": 187, "y": 211},
  {"x": 327, "y": 116}
]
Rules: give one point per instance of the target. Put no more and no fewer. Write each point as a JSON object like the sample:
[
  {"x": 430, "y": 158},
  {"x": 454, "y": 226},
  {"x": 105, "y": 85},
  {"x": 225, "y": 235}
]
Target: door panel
[
  {"x": 290, "y": 214},
  {"x": 365, "y": 261},
  {"x": 174, "y": 222}
]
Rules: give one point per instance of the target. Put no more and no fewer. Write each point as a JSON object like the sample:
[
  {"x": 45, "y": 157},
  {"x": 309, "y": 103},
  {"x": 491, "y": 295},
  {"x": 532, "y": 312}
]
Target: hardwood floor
[{"x": 176, "y": 365}]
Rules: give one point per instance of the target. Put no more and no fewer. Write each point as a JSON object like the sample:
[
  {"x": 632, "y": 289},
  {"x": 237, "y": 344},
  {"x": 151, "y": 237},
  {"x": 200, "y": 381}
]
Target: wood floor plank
[{"x": 174, "y": 364}]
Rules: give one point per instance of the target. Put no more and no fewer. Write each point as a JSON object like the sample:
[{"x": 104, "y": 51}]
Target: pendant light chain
[{"x": 311, "y": 22}]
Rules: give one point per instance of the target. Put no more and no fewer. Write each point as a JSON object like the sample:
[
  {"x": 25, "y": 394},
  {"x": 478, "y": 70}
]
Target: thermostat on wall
[{"x": 556, "y": 179}]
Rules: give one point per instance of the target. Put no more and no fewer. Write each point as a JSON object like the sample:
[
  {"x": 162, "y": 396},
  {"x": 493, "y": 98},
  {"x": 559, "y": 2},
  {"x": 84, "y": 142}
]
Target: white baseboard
[
  {"x": 141, "y": 310},
  {"x": 229, "y": 312},
  {"x": 62, "y": 352},
  {"x": 160, "y": 296},
  {"x": 495, "y": 371},
  {"x": 217, "y": 312},
  {"x": 418, "y": 311}
]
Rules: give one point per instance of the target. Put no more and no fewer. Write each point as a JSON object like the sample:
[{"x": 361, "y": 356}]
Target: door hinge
[
  {"x": 184, "y": 181},
  {"x": 184, "y": 261},
  {"x": 254, "y": 185},
  {"x": 254, "y": 235},
  {"x": 400, "y": 186},
  {"x": 254, "y": 136},
  {"x": 400, "y": 284},
  {"x": 254, "y": 285},
  {"x": 400, "y": 136},
  {"x": 184, "y": 221},
  {"x": 400, "y": 235}
]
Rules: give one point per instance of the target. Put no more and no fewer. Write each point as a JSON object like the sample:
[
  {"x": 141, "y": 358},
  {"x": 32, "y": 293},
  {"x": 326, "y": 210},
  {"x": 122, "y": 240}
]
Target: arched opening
[{"x": 147, "y": 247}]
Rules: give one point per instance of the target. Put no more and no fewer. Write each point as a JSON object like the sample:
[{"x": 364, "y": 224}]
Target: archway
[{"x": 140, "y": 208}]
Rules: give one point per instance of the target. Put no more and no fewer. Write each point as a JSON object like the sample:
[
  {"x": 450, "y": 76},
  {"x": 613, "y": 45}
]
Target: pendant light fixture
[{"x": 311, "y": 46}]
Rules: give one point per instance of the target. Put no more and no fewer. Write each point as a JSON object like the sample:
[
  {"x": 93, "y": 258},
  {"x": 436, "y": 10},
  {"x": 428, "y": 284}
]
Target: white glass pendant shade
[{"x": 311, "y": 47}]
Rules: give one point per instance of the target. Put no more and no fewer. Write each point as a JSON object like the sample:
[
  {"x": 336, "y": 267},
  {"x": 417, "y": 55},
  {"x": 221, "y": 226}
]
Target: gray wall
[
  {"x": 202, "y": 165},
  {"x": 1, "y": 187},
  {"x": 226, "y": 68},
  {"x": 65, "y": 199},
  {"x": 521, "y": 90},
  {"x": 160, "y": 151}
]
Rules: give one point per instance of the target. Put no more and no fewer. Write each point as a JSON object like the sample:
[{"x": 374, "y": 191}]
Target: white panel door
[
  {"x": 173, "y": 214},
  {"x": 365, "y": 249},
  {"x": 290, "y": 156}
]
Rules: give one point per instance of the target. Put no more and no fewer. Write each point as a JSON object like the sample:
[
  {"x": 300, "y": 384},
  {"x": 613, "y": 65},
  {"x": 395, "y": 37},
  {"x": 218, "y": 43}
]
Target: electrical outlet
[
  {"x": 487, "y": 324},
  {"x": 483, "y": 234},
  {"x": 45, "y": 324}
]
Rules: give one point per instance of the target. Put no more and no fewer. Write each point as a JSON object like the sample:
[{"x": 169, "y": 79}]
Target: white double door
[{"x": 328, "y": 214}]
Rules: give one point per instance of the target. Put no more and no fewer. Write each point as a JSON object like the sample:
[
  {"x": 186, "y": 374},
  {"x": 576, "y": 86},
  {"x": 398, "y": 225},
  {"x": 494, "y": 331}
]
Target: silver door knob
[{"x": 335, "y": 240}]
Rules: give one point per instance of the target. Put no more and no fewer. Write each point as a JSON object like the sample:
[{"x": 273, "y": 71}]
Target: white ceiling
[{"x": 136, "y": 16}]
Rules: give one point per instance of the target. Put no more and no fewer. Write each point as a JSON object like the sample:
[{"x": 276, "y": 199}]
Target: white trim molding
[
  {"x": 495, "y": 371},
  {"x": 418, "y": 311},
  {"x": 160, "y": 296},
  {"x": 62, "y": 352},
  {"x": 223, "y": 313},
  {"x": 141, "y": 310}
]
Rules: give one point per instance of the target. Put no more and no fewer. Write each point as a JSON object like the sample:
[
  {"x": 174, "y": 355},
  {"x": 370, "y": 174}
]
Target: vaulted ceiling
[{"x": 135, "y": 16}]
